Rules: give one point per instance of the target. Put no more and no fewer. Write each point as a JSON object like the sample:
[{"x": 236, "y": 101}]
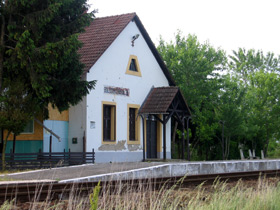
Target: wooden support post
[
  {"x": 69, "y": 157},
  {"x": 164, "y": 138},
  {"x": 183, "y": 139},
  {"x": 40, "y": 158},
  {"x": 84, "y": 142},
  {"x": 84, "y": 147},
  {"x": 14, "y": 143},
  {"x": 1, "y": 139},
  {"x": 12, "y": 155},
  {"x": 188, "y": 139},
  {"x": 143, "y": 129},
  {"x": 50, "y": 148}
]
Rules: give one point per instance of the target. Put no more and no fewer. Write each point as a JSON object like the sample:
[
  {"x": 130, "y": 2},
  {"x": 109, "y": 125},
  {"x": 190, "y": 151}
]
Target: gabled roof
[
  {"x": 103, "y": 31},
  {"x": 159, "y": 101}
]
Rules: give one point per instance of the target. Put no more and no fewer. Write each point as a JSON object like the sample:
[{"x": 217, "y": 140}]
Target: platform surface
[
  {"x": 65, "y": 173},
  {"x": 138, "y": 170}
]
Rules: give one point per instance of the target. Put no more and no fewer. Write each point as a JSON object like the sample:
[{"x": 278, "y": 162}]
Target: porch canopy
[{"x": 169, "y": 102}]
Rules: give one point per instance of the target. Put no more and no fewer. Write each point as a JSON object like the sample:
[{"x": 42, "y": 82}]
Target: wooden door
[{"x": 151, "y": 138}]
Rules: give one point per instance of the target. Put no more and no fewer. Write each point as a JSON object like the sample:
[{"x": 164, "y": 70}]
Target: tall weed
[{"x": 140, "y": 195}]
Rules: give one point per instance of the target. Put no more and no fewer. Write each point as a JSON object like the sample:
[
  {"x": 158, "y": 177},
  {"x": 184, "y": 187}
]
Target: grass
[
  {"x": 13, "y": 171},
  {"x": 5, "y": 178},
  {"x": 263, "y": 194},
  {"x": 4, "y": 174}
]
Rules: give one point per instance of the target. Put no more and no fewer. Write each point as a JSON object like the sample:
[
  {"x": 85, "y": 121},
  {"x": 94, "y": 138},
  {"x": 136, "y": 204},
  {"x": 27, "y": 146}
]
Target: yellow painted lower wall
[
  {"x": 54, "y": 114},
  {"x": 37, "y": 135}
]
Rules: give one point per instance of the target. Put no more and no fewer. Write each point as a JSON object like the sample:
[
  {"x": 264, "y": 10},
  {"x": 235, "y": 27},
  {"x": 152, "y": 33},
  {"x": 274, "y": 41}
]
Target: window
[
  {"x": 29, "y": 128},
  {"x": 133, "y": 122},
  {"x": 109, "y": 122},
  {"x": 133, "y": 67}
]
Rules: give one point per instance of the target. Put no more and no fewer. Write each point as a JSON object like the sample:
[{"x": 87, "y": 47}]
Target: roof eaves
[
  {"x": 183, "y": 98},
  {"x": 140, "y": 109}
]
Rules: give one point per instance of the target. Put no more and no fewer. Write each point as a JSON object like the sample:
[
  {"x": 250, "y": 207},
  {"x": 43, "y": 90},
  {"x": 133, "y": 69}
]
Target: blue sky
[{"x": 224, "y": 23}]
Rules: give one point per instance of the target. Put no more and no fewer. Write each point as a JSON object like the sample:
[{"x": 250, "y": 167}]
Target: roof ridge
[
  {"x": 167, "y": 87},
  {"x": 113, "y": 16}
]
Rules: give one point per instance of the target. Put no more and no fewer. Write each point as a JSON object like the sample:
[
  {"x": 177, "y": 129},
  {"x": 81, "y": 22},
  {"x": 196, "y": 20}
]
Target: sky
[{"x": 228, "y": 24}]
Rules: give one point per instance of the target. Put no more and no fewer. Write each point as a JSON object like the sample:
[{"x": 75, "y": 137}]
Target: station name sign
[{"x": 116, "y": 90}]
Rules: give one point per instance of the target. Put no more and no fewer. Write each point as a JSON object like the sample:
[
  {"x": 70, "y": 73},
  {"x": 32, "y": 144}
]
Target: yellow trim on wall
[
  {"x": 54, "y": 114},
  {"x": 113, "y": 122},
  {"x": 134, "y": 73},
  {"x": 159, "y": 135},
  {"x": 36, "y": 135},
  {"x": 137, "y": 124}
]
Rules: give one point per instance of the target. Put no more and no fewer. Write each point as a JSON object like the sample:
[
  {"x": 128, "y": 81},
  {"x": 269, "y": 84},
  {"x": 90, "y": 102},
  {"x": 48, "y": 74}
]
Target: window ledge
[
  {"x": 109, "y": 142},
  {"x": 133, "y": 142}
]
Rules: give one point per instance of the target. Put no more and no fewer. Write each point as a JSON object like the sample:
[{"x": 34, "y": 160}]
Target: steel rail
[{"x": 27, "y": 192}]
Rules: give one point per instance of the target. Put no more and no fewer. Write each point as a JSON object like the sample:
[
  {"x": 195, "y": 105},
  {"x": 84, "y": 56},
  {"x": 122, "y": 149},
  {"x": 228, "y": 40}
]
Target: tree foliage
[
  {"x": 39, "y": 63},
  {"x": 238, "y": 108},
  {"x": 261, "y": 103},
  {"x": 195, "y": 67}
]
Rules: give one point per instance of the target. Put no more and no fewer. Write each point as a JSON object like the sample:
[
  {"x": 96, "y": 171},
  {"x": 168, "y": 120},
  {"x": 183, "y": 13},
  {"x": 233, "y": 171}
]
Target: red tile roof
[
  {"x": 159, "y": 100},
  {"x": 100, "y": 35},
  {"x": 103, "y": 31}
]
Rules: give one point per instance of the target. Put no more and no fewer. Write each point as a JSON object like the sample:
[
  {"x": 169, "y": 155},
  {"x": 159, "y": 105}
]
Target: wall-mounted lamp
[{"x": 133, "y": 39}]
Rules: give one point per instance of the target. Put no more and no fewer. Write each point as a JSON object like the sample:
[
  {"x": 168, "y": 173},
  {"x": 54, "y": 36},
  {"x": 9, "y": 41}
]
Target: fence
[{"x": 47, "y": 159}]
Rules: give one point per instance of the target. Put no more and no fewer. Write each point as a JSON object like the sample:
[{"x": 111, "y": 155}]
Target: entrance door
[{"x": 151, "y": 138}]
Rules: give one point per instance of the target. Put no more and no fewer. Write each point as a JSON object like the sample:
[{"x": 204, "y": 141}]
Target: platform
[{"x": 139, "y": 170}]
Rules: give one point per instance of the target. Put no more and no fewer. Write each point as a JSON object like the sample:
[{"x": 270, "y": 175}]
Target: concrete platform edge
[{"x": 182, "y": 169}]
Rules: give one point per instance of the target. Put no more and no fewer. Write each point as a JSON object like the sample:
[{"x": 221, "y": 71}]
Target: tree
[
  {"x": 228, "y": 110},
  {"x": 266, "y": 107},
  {"x": 15, "y": 109},
  {"x": 195, "y": 66},
  {"x": 39, "y": 44},
  {"x": 259, "y": 75},
  {"x": 244, "y": 63}
]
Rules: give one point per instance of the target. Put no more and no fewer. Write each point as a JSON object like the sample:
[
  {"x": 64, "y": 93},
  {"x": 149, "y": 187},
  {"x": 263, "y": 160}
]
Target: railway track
[{"x": 26, "y": 192}]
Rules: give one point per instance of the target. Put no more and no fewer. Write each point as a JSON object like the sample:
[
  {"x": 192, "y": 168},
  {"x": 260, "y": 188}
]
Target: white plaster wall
[
  {"x": 77, "y": 125},
  {"x": 110, "y": 70}
]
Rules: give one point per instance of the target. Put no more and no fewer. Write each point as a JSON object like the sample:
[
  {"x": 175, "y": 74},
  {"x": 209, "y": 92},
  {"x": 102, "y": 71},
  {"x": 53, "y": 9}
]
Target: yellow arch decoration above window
[{"x": 133, "y": 67}]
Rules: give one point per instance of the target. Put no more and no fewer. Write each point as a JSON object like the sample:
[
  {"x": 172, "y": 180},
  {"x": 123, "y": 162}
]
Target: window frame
[
  {"x": 113, "y": 126},
  {"x": 32, "y": 132},
  {"x": 131, "y": 72},
  {"x": 137, "y": 124}
]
